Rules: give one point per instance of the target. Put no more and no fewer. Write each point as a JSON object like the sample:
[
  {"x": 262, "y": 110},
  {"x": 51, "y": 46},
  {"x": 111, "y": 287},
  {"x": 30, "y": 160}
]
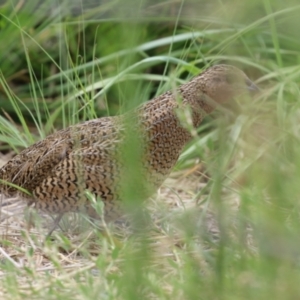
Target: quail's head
[{"x": 224, "y": 82}]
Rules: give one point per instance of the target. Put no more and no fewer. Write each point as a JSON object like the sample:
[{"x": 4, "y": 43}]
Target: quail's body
[{"x": 59, "y": 169}]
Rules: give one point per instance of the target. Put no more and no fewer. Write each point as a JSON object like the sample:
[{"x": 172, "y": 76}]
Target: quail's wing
[{"x": 29, "y": 168}]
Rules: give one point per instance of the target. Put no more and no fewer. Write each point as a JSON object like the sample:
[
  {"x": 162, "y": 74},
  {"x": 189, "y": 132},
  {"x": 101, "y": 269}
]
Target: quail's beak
[{"x": 252, "y": 87}]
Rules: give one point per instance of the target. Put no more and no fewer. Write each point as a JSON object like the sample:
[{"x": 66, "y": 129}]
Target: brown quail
[{"x": 59, "y": 169}]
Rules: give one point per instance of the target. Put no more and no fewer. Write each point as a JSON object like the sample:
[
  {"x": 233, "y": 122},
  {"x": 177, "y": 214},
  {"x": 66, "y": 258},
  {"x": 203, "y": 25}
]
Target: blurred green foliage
[{"x": 63, "y": 62}]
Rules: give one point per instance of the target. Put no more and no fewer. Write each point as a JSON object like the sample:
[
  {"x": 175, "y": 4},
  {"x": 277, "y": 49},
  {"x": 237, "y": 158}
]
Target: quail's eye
[
  {"x": 217, "y": 79},
  {"x": 231, "y": 79}
]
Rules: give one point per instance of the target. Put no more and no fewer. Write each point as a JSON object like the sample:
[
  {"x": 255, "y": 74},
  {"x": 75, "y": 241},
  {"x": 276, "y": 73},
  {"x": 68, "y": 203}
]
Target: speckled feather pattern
[{"x": 59, "y": 169}]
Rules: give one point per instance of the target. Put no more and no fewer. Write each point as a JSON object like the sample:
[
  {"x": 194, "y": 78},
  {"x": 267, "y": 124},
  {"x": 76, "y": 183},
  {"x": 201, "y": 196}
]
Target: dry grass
[{"x": 76, "y": 250}]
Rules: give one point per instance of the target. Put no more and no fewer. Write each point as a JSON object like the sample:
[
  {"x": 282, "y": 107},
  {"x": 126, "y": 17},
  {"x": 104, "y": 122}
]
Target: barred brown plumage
[{"x": 58, "y": 170}]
